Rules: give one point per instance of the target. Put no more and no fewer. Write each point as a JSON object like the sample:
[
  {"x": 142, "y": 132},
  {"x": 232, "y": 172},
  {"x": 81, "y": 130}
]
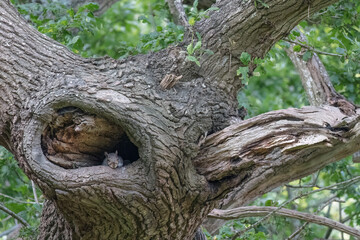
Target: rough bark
[{"x": 60, "y": 113}]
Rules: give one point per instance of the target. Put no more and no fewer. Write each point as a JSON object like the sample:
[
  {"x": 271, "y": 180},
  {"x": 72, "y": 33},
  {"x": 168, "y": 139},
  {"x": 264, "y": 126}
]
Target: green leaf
[
  {"x": 197, "y": 46},
  {"x": 196, "y": 2},
  {"x": 144, "y": 19},
  {"x": 198, "y": 36},
  {"x": 307, "y": 56},
  {"x": 73, "y": 40},
  {"x": 193, "y": 59},
  {"x": 208, "y": 51},
  {"x": 297, "y": 48},
  {"x": 192, "y": 21},
  {"x": 71, "y": 12},
  {"x": 296, "y": 33},
  {"x": 190, "y": 49},
  {"x": 90, "y": 7},
  {"x": 245, "y": 58},
  {"x": 340, "y": 50},
  {"x": 243, "y": 71}
]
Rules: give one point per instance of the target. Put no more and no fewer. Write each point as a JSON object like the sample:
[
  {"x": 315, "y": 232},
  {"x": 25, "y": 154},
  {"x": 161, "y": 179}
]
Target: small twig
[
  {"x": 312, "y": 49},
  {"x": 34, "y": 192},
  {"x": 316, "y": 178},
  {"x": 5, "y": 219},
  {"x": 19, "y": 201},
  {"x": 14, "y": 215},
  {"x": 255, "y": 211},
  {"x": 299, "y": 186},
  {"x": 343, "y": 184}
]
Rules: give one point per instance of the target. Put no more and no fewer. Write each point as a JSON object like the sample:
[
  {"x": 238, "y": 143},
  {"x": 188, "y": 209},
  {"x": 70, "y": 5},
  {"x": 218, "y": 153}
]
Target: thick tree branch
[
  {"x": 274, "y": 148},
  {"x": 255, "y": 211},
  {"x": 316, "y": 81},
  {"x": 178, "y": 12},
  {"x": 240, "y": 27}
]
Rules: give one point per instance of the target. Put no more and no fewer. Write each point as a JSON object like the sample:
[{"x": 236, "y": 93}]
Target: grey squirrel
[{"x": 113, "y": 160}]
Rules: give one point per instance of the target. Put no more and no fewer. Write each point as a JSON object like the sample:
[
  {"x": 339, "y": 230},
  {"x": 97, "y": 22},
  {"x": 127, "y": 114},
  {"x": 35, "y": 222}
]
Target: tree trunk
[{"x": 60, "y": 113}]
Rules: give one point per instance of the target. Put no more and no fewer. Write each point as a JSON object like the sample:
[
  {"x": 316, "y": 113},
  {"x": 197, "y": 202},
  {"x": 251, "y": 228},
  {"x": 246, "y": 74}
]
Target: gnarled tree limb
[{"x": 277, "y": 147}]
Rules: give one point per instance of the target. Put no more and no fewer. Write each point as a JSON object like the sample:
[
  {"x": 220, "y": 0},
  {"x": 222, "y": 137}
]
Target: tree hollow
[{"x": 76, "y": 139}]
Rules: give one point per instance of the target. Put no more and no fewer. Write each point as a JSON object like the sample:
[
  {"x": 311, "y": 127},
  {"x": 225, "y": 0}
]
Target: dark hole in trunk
[
  {"x": 127, "y": 150},
  {"x": 76, "y": 139}
]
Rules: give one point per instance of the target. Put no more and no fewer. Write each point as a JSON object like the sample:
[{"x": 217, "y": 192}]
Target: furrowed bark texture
[{"x": 60, "y": 114}]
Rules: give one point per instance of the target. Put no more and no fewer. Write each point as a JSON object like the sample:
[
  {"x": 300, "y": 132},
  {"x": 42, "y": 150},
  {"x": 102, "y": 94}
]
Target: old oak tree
[{"x": 171, "y": 120}]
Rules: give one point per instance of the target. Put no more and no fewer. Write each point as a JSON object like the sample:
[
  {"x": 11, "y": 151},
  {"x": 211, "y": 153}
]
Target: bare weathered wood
[
  {"x": 266, "y": 148},
  {"x": 316, "y": 81}
]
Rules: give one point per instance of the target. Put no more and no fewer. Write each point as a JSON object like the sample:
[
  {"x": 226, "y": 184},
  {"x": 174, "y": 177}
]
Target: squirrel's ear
[
  {"x": 116, "y": 152},
  {"x": 106, "y": 154}
]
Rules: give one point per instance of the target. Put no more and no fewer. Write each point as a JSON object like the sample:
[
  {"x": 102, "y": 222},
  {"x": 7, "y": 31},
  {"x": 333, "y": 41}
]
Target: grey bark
[{"x": 60, "y": 113}]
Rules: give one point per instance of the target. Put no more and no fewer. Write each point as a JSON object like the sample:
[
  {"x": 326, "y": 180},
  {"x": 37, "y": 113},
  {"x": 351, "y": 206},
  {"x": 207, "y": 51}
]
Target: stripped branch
[
  {"x": 316, "y": 80},
  {"x": 178, "y": 12},
  {"x": 255, "y": 211},
  {"x": 336, "y": 186},
  {"x": 17, "y": 200},
  {"x": 14, "y": 215}
]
